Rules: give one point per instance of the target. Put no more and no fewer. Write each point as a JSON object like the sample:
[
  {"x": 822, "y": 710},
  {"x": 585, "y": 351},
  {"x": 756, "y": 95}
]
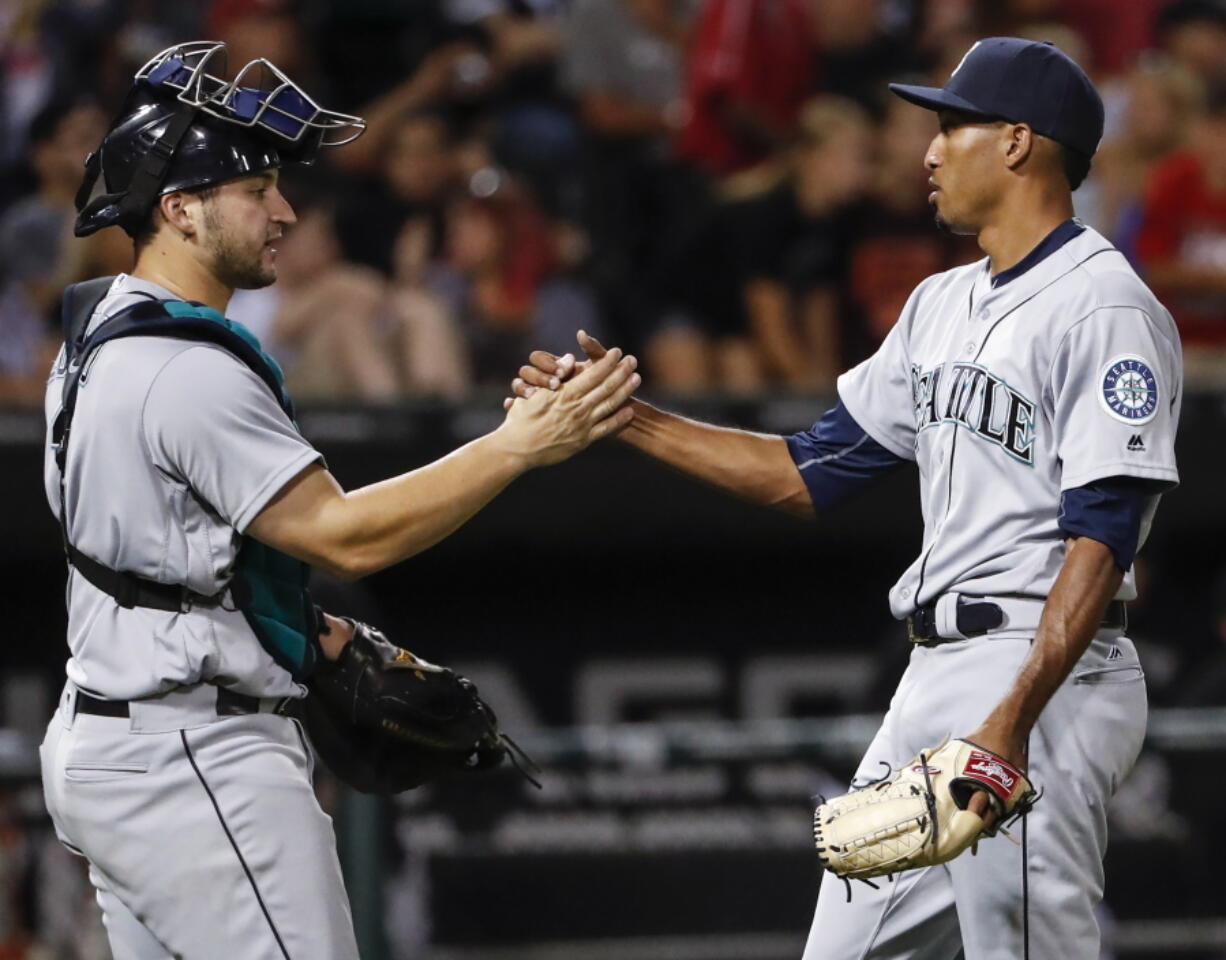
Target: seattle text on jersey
[{"x": 971, "y": 396}]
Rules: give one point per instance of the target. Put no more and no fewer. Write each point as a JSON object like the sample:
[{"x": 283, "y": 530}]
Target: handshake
[{"x": 561, "y": 406}]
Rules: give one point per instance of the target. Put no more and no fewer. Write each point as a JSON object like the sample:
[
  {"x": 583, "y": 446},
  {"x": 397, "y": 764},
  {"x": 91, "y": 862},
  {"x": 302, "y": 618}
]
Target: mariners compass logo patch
[{"x": 1129, "y": 390}]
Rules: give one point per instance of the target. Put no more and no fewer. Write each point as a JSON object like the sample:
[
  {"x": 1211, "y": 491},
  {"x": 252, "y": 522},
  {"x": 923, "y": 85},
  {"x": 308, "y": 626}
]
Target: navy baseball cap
[{"x": 1022, "y": 81}]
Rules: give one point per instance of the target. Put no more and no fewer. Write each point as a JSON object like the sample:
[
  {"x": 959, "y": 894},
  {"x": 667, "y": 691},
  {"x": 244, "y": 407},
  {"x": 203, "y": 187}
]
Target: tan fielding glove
[{"x": 918, "y": 817}]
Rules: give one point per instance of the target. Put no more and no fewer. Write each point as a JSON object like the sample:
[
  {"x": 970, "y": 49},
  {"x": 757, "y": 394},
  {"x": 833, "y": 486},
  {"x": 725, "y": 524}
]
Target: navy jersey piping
[
  {"x": 953, "y": 447},
  {"x": 1061, "y": 235},
  {"x": 836, "y": 457},
  {"x": 828, "y": 458}
]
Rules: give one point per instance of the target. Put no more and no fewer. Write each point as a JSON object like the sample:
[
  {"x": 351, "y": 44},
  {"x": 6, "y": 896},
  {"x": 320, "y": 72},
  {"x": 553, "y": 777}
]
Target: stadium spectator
[
  {"x": 252, "y": 29},
  {"x": 454, "y": 73},
  {"x": 793, "y": 244},
  {"x": 1193, "y": 32},
  {"x": 1007, "y": 17},
  {"x": 415, "y": 177},
  {"x": 623, "y": 64},
  {"x": 944, "y": 26},
  {"x": 345, "y": 332},
  {"x": 27, "y": 82},
  {"x": 500, "y": 68},
  {"x": 765, "y": 282},
  {"x": 896, "y": 242},
  {"x": 366, "y": 49},
  {"x": 504, "y": 282},
  {"x": 861, "y": 47},
  {"x": 750, "y": 68},
  {"x": 530, "y": 123},
  {"x": 36, "y": 256},
  {"x": 1162, "y": 100},
  {"x": 1182, "y": 241},
  {"x": 1115, "y": 33},
  {"x": 522, "y": 32}
]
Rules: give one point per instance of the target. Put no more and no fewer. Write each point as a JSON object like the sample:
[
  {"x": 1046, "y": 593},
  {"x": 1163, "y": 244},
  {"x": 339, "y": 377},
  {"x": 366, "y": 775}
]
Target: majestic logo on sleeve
[
  {"x": 1129, "y": 390},
  {"x": 972, "y": 397}
]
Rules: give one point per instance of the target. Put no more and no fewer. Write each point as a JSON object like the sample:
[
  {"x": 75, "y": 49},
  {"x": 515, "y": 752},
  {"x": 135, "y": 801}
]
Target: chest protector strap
[{"x": 268, "y": 586}]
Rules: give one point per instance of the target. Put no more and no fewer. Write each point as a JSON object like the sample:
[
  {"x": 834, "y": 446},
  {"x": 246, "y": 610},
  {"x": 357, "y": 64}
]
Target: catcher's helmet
[{"x": 181, "y": 127}]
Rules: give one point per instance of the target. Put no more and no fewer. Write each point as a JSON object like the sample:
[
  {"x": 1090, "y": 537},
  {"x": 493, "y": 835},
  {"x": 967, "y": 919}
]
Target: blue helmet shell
[{"x": 181, "y": 128}]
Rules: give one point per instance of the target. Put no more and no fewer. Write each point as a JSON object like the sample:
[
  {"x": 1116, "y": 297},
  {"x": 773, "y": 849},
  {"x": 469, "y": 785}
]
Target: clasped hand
[
  {"x": 575, "y": 409},
  {"x": 546, "y": 371}
]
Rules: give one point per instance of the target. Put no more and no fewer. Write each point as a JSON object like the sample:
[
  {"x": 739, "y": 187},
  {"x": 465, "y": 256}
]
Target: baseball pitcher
[{"x": 1038, "y": 393}]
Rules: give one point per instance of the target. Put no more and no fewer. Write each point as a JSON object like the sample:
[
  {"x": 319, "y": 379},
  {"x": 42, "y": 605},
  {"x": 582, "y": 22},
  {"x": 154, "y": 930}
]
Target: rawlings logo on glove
[
  {"x": 990, "y": 770},
  {"x": 919, "y": 817}
]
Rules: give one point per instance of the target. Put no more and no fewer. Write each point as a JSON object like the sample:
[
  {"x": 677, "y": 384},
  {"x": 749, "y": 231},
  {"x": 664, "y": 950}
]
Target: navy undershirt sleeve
[
  {"x": 836, "y": 458},
  {"x": 1110, "y": 511}
]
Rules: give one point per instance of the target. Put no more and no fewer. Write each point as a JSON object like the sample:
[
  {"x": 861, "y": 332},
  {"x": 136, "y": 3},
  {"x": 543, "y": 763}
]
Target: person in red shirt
[
  {"x": 749, "y": 70},
  {"x": 1182, "y": 242}
]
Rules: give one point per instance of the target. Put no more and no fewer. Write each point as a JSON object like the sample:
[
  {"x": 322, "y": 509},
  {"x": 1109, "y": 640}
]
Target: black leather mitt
[{"x": 383, "y": 720}]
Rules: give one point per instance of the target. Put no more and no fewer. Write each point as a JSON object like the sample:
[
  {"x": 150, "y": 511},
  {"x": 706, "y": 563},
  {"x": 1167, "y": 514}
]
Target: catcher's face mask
[{"x": 183, "y": 127}]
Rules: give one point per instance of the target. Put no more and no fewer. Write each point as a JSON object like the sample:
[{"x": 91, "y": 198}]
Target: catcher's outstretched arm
[{"x": 354, "y": 534}]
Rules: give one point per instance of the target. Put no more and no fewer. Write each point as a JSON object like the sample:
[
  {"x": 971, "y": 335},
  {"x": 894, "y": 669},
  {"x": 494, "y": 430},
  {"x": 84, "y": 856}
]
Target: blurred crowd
[{"x": 723, "y": 186}]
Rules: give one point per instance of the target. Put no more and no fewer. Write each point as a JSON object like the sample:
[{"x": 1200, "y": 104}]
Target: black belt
[
  {"x": 229, "y": 704},
  {"x": 977, "y": 617}
]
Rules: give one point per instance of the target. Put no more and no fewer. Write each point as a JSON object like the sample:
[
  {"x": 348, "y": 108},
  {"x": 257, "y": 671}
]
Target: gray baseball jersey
[
  {"x": 1007, "y": 395},
  {"x": 177, "y": 446}
]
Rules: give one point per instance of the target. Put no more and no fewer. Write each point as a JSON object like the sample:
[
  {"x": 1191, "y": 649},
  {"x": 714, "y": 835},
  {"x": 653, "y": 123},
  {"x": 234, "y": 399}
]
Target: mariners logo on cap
[{"x": 1129, "y": 390}]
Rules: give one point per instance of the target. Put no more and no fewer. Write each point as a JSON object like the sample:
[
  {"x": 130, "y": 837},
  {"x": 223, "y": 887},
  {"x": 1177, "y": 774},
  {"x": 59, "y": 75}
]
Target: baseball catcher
[
  {"x": 192, "y": 509},
  {"x": 920, "y": 816}
]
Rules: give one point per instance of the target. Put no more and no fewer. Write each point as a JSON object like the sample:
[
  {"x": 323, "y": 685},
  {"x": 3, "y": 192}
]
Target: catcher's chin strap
[{"x": 137, "y": 199}]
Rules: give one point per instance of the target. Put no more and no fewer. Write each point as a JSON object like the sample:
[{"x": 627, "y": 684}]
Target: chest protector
[{"x": 268, "y": 586}]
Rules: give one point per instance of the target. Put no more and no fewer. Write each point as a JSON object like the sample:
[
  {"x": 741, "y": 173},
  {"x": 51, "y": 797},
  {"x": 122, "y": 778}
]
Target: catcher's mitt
[
  {"x": 918, "y": 817},
  {"x": 383, "y": 720}
]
